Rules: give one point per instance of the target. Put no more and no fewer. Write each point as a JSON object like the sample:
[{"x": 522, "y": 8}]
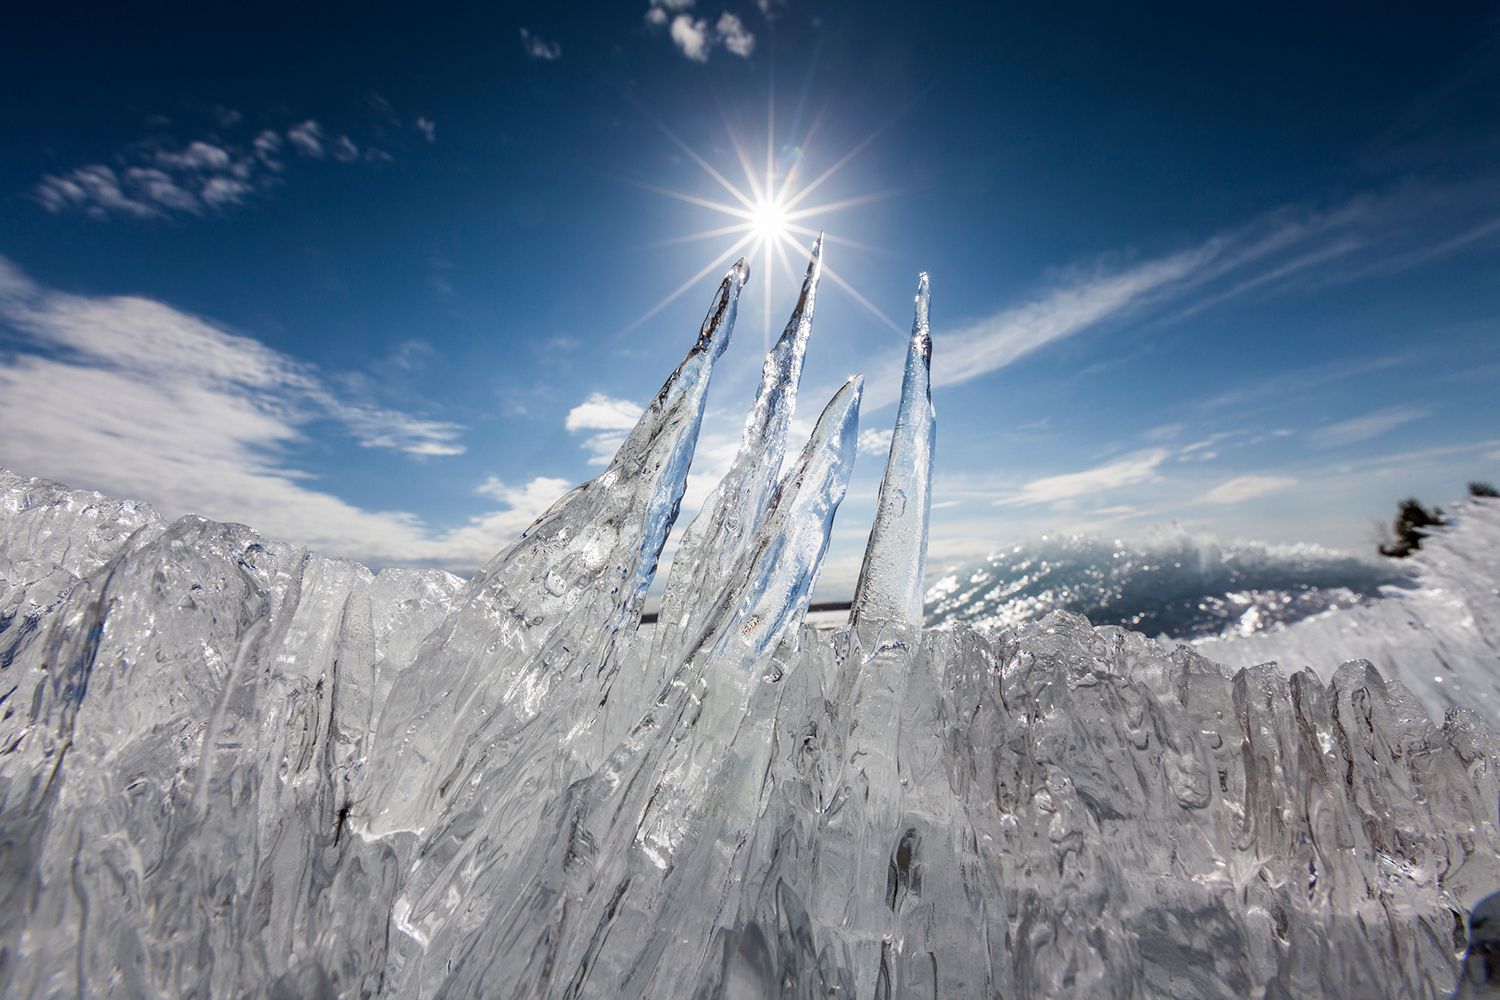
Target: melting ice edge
[{"x": 231, "y": 768}]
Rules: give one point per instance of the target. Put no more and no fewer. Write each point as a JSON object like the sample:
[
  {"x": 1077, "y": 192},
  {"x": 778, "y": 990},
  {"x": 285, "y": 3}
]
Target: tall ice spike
[
  {"x": 735, "y": 510},
  {"x": 890, "y": 581},
  {"x": 537, "y": 627},
  {"x": 591, "y": 902}
]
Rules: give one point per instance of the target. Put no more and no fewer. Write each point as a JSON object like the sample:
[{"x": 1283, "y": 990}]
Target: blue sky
[{"x": 386, "y": 282}]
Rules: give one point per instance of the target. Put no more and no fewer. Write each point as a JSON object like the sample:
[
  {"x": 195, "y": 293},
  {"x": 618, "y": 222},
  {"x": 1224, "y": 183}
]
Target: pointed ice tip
[
  {"x": 817, "y": 250},
  {"x": 842, "y": 412},
  {"x": 920, "y": 338},
  {"x": 719, "y": 323}
]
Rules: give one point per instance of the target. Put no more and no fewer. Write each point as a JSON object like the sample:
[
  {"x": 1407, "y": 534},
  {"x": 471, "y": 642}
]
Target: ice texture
[
  {"x": 891, "y": 580},
  {"x": 731, "y": 518},
  {"x": 229, "y": 767},
  {"x": 1438, "y": 633}
]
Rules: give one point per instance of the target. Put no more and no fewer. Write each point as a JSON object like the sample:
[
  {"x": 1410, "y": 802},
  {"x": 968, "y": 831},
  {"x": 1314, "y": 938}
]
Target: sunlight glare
[{"x": 769, "y": 219}]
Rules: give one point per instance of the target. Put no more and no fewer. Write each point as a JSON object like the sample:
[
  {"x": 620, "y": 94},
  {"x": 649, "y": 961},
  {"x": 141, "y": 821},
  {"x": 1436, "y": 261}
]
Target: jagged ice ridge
[{"x": 231, "y": 767}]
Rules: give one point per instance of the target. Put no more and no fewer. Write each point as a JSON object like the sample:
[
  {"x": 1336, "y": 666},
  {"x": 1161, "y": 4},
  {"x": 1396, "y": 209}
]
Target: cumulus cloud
[
  {"x": 1099, "y": 481},
  {"x": 1362, "y": 428},
  {"x": 133, "y": 397},
  {"x": 610, "y": 419},
  {"x": 873, "y": 442},
  {"x": 661, "y": 11},
  {"x": 539, "y": 48},
  {"x": 1246, "y": 488},
  {"x": 696, "y": 37},
  {"x": 602, "y": 413},
  {"x": 690, "y": 34},
  {"x": 731, "y": 32},
  {"x": 157, "y": 181},
  {"x": 523, "y": 504}
]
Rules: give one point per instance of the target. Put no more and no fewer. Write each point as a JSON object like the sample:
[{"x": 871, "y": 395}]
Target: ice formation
[
  {"x": 229, "y": 767},
  {"x": 1437, "y": 632}
]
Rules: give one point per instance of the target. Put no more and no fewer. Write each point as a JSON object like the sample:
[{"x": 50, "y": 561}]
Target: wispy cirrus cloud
[
  {"x": 1098, "y": 482},
  {"x": 1366, "y": 426},
  {"x": 1282, "y": 250},
  {"x": 1243, "y": 488},
  {"x": 128, "y": 395}
]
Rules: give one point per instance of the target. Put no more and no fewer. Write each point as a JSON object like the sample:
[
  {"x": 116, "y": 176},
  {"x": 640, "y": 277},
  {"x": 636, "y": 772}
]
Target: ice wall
[{"x": 232, "y": 768}]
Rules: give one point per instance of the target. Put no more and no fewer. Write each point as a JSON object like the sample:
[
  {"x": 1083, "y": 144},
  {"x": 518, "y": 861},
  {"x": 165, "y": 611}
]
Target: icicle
[
  {"x": 623, "y": 845},
  {"x": 890, "y": 581},
  {"x": 790, "y": 548},
  {"x": 547, "y": 609},
  {"x": 735, "y": 510}
]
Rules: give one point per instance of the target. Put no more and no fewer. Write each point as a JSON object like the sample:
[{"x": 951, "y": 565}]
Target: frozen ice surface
[
  {"x": 232, "y": 768},
  {"x": 1439, "y": 635},
  {"x": 1163, "y": 582}
]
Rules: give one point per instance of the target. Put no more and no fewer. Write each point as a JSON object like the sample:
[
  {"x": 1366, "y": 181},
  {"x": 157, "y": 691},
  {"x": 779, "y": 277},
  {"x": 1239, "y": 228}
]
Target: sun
[
  {"x": 766, "y": 217},
  {"x": 769, "y": 222}
]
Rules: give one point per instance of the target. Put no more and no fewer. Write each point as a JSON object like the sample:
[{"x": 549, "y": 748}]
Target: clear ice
[{"x": 231, "y": 767}]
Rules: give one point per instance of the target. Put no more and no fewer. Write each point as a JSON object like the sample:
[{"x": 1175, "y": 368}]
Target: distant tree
[
  {"x": 1411, "y": 518},
  {"x": 1483, "y": 490}
]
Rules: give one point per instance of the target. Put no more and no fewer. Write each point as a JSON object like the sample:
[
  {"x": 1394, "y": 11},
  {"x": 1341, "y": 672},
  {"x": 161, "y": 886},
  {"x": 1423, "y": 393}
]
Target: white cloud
[
  {"x": 539, "y": 48},
  {"x": 970, "y": 350},
  {"x": 523, "y": 505},
  {"x": 874, "y": 442},
  {"x": 612, "y": 417},
  {"x": 602, "y": 413},
  {"x": 427, "y": 127},
  {"x": 1208, "y": 442},
  {"x": 156, "y": 187},
  {"x": 307, "y": 138},
  {"x": 95, "y": 190},
  {"x": 1269, "y": 254},
  {"x": 194, "y": 156},
  {"x": 696, "y": 37},
  {"x": 157, "y": 181},
  {"x": 221, "y": 192},
  {"x": 1134, "y": 468},
  {"x": 267, "y": 145},
  {"x": 1246, "y": 488},
  {"x": 135, "y": 398},
  {"x": 690, "y": 34},
  {"x": 731, "y": 32},
  {"x": 1363, "y": 428}
]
